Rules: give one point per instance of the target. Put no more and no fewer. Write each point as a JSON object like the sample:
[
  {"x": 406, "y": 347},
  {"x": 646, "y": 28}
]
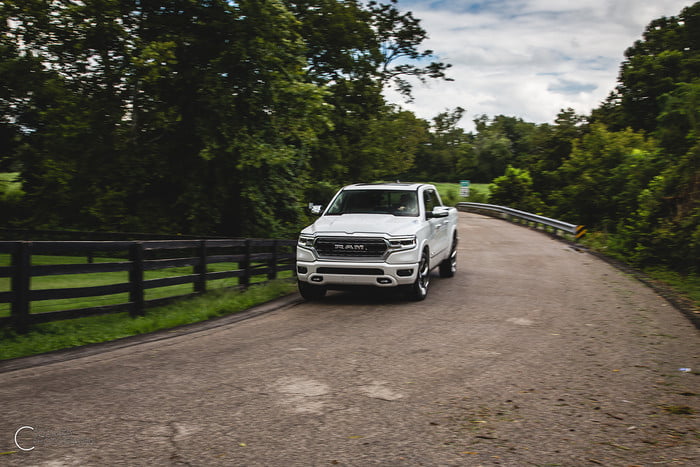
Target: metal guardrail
[{"x": 506, "y": 213}]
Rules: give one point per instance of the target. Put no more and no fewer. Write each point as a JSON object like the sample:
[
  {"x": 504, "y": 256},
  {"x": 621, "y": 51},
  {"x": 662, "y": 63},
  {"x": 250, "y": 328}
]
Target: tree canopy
[
  {"x": 204, "y": 116},
  {"x": 631, "y": 168},
  {"x": 222, "y": 117}
]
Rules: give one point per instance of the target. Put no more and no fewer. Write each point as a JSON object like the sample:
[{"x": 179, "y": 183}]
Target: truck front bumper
[{"x": 335, "y": 273}]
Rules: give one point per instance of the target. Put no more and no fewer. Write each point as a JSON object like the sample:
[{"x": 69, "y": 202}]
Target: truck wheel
[
  {"x": 419, "y": 289},
  {"x": 311, "y": 292},
  {"x": 448, "y": 267}
]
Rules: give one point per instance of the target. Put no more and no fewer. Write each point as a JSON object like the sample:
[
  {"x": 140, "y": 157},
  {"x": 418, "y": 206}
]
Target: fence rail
[
  {"x": 508, "y": 213},
  {"x": 252, "y": 257}
]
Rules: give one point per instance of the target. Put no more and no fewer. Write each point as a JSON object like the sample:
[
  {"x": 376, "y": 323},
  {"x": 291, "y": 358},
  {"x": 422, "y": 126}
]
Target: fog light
[
  {"x": 404, "y": 272},
  {"x": 317, "y": 279},
  {"x": 302, "y": 269},
  {"x": 384, "y": 280}
]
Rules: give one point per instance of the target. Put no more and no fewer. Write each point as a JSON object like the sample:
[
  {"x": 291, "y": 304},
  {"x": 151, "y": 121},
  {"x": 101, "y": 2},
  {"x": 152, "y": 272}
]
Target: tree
[
  {"x": 205, "y": 116},
  {"x": 21, "y": 74},
  {"x": 186, "y": 115},
  {"x": 515, "y": 189},
  {"x": 665, "y": 227},
  {"x": 679, "y": 119},
  {"x": 603, "y": 176},
  {"x": 444, "y": 155},
  {"x": 491, "y": 149},
  {"x": 400, "y": 36},
  {"x": 667, "y": 54},
  {"x": 355, "y": 50},
  {"x": 548, "y": 147},
  {"x": 390, "y": 146}
]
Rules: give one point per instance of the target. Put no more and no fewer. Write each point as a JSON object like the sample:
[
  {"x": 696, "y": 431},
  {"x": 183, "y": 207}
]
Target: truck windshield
[{"x": 395, "y": 202}]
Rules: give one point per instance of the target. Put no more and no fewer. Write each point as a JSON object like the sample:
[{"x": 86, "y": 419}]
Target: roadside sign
[{"x": 464, "y": 188}]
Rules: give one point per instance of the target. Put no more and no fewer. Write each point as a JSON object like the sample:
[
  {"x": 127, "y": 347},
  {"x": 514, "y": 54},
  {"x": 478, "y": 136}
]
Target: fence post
[
  {"x": 21, "y": 262},
  {"x": 244, "y": 280},
  {"x": 272, "y": 263},
  {"x": 136, "y": 279},
  {"x": 200, "y": 285}
]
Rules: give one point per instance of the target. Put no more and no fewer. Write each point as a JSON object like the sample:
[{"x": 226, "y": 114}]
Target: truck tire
[
  {"x": 311, "y": 292},
  {"x": 419, "y": 289},
  {"x": 448, "y": 267}
]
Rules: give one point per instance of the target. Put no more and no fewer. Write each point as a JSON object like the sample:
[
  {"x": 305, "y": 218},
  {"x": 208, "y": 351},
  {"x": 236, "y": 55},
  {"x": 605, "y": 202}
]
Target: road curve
[{"x": 533, "y": 354}]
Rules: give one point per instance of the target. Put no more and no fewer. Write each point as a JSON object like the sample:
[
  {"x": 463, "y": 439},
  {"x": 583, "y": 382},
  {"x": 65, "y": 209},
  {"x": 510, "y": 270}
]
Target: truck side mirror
[
  {"x": 437, "y": 213},
  {"x": 315, "y": 209}
]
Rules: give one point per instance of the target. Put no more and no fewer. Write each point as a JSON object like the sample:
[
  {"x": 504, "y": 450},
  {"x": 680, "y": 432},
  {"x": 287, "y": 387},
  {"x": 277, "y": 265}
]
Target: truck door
[{"x": 438, "y": 227}]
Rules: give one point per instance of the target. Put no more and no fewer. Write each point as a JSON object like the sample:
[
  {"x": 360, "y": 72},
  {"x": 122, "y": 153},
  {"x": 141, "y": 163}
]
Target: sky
[{"x": 527, "y": 58}]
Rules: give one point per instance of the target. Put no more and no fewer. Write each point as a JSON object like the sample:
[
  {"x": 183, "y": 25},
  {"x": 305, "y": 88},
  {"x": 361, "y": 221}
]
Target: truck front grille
[{"x": 346, "y": 247}]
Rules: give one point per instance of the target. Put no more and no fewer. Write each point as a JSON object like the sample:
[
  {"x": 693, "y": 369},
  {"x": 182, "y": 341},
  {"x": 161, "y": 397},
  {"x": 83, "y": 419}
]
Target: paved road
[{"x": 533, "y": 354}]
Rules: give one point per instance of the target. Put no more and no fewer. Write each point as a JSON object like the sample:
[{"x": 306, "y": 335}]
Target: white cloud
[{"x": 527, "y": 58}]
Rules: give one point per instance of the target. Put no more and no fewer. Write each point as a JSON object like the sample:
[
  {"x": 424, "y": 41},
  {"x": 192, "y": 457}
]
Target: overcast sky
[{"x": 527, "y": 58}]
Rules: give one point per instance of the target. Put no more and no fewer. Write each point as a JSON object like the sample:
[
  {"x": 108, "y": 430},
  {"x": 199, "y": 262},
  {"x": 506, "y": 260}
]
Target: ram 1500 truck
[{"x": 382, "y": 235}]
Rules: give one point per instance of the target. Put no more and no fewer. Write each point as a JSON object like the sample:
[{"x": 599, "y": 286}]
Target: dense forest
[{"x": 223, "y": 117}]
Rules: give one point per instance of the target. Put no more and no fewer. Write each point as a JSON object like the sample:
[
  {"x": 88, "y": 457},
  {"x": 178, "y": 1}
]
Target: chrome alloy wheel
[
  {"x": 420, "y": 287},
  {"x": 453, "y": 259},
  {"x": 448, "y": 267}
]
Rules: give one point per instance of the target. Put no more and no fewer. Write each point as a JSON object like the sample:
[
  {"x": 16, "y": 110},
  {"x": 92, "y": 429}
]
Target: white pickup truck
[{"x": 383, "y": 235}]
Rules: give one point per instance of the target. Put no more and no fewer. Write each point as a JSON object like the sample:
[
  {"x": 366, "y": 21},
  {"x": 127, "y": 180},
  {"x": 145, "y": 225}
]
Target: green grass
[
  {"x": 10, "y": 188},
  {"x": 81, "y": 331},
  {"x": 449, "y": 192},
  {"x": 688, "y": 285},
  {"x": 108, "y": 278}
]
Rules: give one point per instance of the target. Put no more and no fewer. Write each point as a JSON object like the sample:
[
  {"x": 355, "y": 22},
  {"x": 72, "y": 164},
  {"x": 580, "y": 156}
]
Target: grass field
[
  {"x": 9, "y": 186},
  {"x": 449, "y": 192},
  {"x": 108, "y": 278},
  {"x": 47, "y": 337}
]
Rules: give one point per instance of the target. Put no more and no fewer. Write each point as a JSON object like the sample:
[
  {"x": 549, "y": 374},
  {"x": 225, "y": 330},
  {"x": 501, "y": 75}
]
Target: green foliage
[
  {"x": 631, "y": 169},
  {"x": 478, "y": 193},
  {"x": 10, "y": 187},
  {"x": 665, "y": 228},
  {"x": 393, "y": 139},
  {"x": 70, "y": 333},
  {"x": 449, "y": 193},
  {"x": 689, "y": 284},
  {"x": 603, "y": 176},
  {"x": 547, "y": 148},
  {"x": 211, "y": 116},
  {"x": 201, "y": 116},
  {"x": 445, "y": 148},
  {"x": 515, "y": 189},
  {"x": 667, "y": 55},
  {"x": 11, "y": 195}
]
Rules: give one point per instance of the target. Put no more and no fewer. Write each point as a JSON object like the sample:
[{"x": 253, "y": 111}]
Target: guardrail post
[
  {"x": 244, "y": 280},
  {"x": 200, "y": 285},
  {"x": 21, "y": 262},
  {"x": 136, "y": 294},
  {"x": 272, "y": 263}
]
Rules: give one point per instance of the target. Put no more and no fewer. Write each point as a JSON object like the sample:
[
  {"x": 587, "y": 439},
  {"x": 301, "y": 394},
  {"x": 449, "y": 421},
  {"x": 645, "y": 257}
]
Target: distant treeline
[
  {"x": 630, "y": 169},
  {"x": 227, "y": 118}
]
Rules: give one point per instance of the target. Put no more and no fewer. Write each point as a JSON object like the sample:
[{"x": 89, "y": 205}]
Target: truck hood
[{"x": 376, "y": 224}]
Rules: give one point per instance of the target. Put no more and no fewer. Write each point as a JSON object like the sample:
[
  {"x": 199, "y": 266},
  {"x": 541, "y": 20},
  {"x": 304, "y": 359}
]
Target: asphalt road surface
[{"x": 533, "y": 354}]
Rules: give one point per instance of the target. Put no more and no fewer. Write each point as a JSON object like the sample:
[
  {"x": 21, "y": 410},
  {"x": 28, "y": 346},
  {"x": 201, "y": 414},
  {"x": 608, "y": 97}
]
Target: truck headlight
[
  {"x": 306, "y": 241},
  {"x": 402, "y": 243}
]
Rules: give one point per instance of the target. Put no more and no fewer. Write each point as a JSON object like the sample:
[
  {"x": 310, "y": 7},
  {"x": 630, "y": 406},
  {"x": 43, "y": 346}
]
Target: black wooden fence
[{"x": 252, "y": 257}]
